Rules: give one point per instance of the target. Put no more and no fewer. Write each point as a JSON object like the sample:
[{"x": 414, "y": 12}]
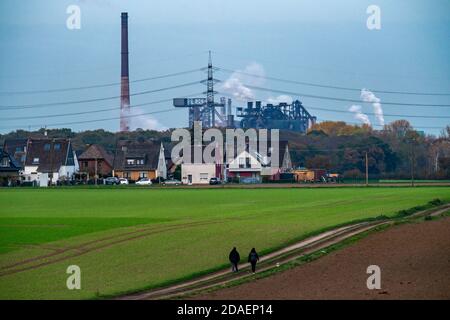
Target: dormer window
[
  {"x": 57, "y": 146},
  {"x": 5, "y": 162},
  {"x": 35, "y": 160},
  {"x": 47, "y": 147}
]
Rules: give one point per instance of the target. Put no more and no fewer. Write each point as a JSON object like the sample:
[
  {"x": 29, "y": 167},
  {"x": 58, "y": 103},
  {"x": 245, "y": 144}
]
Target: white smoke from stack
[
  {"x": 279, "y": 99},
  {"x": 234, "y": 85},
  {"x": 368, "y": 96},
  {"x": 144, "y": 122},
  {"x": 359, "y": 115}
]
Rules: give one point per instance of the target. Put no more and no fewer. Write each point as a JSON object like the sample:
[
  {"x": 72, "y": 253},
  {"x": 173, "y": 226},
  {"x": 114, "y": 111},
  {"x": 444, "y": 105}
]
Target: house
[
  {"x": 136, "y": 160},
  {"x": 9, "y": 169},
  {"x": 250, "y": 167},
  {"x": 200, "y": 172},
  {"x": 245, "y": 167},
  {"x": 17, "y": 148},
  {"x": 95, "y": 162},
  {"x": 49, "y": 160}
]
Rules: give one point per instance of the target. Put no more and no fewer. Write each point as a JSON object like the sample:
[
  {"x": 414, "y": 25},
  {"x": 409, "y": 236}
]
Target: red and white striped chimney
[{"x": 124, "y": 79}]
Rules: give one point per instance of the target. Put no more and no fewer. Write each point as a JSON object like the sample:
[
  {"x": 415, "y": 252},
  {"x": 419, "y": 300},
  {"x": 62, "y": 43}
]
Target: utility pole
[
  {"x": 96, "y": 163},
  {"x": 412, "y": 164},
  {"x": 367, "y": 170}
]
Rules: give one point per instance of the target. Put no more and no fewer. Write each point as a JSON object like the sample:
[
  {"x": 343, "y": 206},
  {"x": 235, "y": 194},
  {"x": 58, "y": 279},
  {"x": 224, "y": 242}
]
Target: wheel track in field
[
  {"x": 84, "y": 247},
  {"x": 58, "y": 254},
  {"x": 269, "y": 261}
]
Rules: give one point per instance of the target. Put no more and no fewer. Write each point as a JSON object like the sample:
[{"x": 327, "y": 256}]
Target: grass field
[{"x": 130, "y": 239}]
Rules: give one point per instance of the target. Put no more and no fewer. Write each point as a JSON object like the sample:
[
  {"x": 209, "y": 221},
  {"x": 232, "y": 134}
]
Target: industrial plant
[{"x": 285, "y": 116}]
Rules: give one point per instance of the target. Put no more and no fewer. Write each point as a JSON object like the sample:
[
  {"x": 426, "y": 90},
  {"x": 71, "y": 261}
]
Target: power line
[
  {"x": 374, "y": 114},
  {"x": 94, "y": 100},
  {"x": 369, "y": 113},
  {"x": 327, "y": 70},
  {"x": 344, "y": 99},
  {"x": 98, "y": 120},
  {"x": 93, "y": 111},
  {"x": 330, "y": 86},
  {"x": 58, "y": 73},
  {"x": 373, "y": 125},
  {"x": 99, "y": 85}
]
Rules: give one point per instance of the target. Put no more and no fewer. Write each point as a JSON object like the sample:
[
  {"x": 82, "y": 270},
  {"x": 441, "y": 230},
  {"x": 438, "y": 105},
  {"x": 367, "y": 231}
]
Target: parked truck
[{"x": 310, "y": 175}]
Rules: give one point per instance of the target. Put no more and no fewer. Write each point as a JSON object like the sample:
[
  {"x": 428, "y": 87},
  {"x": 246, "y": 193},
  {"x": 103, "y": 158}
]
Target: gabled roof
[
  {"x": 147, "y": 151},
  {"x": 96, "y": 151},
  {"x": 52, "y": 154},
  {"x": 16, "y": 148},
  {"x": 282, "y": 146},
  {"x": 13, "y": 164}
]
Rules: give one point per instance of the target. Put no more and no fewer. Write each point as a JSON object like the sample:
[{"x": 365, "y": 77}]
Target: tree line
[{"x": 398, "y": 151}]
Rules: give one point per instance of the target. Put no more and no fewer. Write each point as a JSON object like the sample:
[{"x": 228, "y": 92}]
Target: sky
[{"x": 321, "y": 42}]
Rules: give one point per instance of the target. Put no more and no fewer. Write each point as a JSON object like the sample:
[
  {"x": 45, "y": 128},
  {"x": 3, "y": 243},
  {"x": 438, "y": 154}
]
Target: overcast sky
[{"x": 323, "y": 42}]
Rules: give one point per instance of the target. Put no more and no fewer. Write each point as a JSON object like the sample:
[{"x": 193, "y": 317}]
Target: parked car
[
  {"x": 158, "y": 180},
  {"x": 171, "y": 182},
  {"x": 214, "y": 180},
  {"x": 144, "y": 182},
  {"x": 123, "y": 181},
  {"x": 112, "y": 181}
]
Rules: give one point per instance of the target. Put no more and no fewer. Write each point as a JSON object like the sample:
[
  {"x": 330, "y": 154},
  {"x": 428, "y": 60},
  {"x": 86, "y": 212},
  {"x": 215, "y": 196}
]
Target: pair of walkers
[{"x": 234, "y": 257}]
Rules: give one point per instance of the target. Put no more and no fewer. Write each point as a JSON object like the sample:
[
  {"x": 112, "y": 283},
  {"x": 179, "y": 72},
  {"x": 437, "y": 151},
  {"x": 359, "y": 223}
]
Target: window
[
  {"x": 35, "y": 160},
  {"x": 47, "y": 147},
  {"x": 86, "y": 164},
  {"x": 247, "y": 162},
  {"x": 19, "y": 149},
  {"x": 241, "y": 162},
  {"x": 130, "y": 162},
  {"x": 203, "y": 176},
  {"x": 143, "y": 174},
  {"x": 139, "y": 161},
  {"x": 127, "y": 175},
  {"x": 5, "y": 162},
  {"x": 57, "y": 146}
]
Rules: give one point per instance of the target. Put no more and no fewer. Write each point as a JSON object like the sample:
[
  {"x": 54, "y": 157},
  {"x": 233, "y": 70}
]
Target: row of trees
[
  {"x": 394, "y": 152},
  {"x": 397, "y": 151}
]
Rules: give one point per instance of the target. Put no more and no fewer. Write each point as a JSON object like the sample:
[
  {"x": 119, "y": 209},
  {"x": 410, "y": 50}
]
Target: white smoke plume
[
  {"x": 359, "y": 115},
  {"x": 369, "y": 96},
  {"x": 234, "y": 85},
  {"x": 144, "y": 122},
  {"x": 279, "y": 99}
]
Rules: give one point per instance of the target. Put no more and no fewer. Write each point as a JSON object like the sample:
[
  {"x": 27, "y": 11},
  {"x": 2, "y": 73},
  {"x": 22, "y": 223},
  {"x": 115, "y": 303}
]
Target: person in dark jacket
[
  {"x": 253, "y": 258},
  {"x": 234, "y": 259}
]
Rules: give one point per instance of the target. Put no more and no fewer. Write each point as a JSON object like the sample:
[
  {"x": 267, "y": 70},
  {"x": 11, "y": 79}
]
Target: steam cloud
[
  {"x": 359, "y": 115},
  {"x": 144, "y": 122},
  {"x": 368, "y": 96},
  {"x": 234, "y": 85},
  {"x": 280, "y": 99}
]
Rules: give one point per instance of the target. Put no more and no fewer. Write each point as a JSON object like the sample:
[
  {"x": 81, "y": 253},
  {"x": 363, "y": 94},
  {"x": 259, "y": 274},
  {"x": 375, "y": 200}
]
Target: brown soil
[{"x": 414, "y": 261}]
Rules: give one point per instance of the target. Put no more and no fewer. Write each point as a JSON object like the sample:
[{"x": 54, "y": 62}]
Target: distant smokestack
[{"x": 124, "y": 79}]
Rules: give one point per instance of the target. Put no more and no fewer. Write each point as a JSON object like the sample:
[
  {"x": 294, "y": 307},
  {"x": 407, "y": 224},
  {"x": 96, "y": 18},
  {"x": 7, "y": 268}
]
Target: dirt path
[
  {"x": 270, "y": 261},
  {"x": 414, "y": 261}
]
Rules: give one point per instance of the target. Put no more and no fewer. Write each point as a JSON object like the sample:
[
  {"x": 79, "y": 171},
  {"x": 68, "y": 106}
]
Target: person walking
[
  {"x": 253, "y": 258},
  {"x": 234, "y": 259}
]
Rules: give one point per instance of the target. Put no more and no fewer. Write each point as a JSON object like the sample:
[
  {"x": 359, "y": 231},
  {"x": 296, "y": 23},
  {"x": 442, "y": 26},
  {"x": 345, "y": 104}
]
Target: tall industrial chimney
[{"x": 125, "y": 82}]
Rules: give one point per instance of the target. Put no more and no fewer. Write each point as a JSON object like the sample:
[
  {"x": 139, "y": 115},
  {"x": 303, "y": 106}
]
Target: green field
[{"x": 130, "y": 239}]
